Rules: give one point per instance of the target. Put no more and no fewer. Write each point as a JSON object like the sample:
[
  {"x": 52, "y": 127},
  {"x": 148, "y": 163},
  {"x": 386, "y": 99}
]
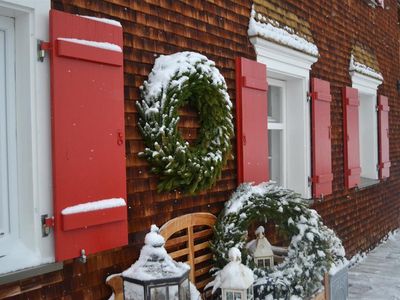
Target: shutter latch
[
  {"x": 310, "y": 180},
  {"x": 41, "y": 49},
  {"x": 308, "y": 96},
  {"x": 47, "y": 224}
]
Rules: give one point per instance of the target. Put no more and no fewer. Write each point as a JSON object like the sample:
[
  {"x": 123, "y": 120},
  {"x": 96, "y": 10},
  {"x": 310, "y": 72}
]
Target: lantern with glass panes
[
  {"x": 235, "y": 279},
  {"x": 156, "y": 276},
  {"x": 263, "y": 255}
]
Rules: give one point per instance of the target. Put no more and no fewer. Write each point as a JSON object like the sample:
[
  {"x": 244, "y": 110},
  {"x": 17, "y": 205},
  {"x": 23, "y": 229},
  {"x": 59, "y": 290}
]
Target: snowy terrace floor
[{"x": 378, "y": 276}]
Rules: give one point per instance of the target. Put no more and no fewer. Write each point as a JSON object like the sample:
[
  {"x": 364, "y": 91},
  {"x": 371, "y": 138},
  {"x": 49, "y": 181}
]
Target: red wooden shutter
[
  {"x": 252, "y": 121},
  {"x": 383, "y": 119},
  {"x": 88, "y": 135},
  {"x": 352, "y": 169},
  {"x": 321, "y": 138}
]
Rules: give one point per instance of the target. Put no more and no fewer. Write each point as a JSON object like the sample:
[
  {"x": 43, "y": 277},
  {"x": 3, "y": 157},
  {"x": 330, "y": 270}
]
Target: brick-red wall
[{"x": 218, "y": 29}]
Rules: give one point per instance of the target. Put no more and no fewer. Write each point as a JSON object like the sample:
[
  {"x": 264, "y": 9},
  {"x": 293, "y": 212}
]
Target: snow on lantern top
[
  {"x": 235, "y": 275},
  {"x": 154, "y": 261}
]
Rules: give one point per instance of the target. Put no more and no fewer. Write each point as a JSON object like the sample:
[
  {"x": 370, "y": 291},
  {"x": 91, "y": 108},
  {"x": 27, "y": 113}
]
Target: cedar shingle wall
[{"x": 218, "y": 29}]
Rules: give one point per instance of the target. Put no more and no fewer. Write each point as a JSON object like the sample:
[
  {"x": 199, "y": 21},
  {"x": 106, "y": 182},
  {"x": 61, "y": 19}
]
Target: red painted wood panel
[
  {"x": 88, "y": 129},
  {"x": 93, "y": 218},
  {"x": 89, "y": 53},
  {"x": 352, "y": 169},
  {"x": 252, "y": 121},
  {"x": 321, "y": 138},
  {"x": 383, "y": 134}
]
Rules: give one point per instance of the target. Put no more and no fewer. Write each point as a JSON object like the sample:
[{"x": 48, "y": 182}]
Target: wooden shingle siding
[{"x": 218, "y": 29}]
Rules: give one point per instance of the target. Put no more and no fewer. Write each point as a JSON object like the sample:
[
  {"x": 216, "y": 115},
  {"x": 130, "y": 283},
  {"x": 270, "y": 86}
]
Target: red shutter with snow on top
[
  {"x": 88, "y": 135},
  {"x": 352, "y": 169},
  {"x": 252, "y": 121},
  {"x": 321, "y": 138},
  {"x": 383, "y": 119}
]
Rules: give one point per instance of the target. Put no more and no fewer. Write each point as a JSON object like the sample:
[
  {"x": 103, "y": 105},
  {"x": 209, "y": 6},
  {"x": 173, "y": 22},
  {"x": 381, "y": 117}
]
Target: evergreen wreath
[
  {"x": 313, "y": 250},
  {"x": 175, "y": 81}
]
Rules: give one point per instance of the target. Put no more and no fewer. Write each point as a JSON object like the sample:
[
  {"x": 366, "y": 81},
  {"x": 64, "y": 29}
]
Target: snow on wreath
[
  {"x": 175, "y": 81},
  {"x": 314, "y": 249}
]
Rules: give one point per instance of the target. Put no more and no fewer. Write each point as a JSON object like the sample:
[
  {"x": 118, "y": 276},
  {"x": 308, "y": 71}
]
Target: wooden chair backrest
[{"x": 188, "y": 240}]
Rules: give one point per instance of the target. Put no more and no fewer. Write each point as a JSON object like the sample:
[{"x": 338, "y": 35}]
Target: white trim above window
[
  {"x": 293, "y": 67},
  {"x": 364, "y": 83}
]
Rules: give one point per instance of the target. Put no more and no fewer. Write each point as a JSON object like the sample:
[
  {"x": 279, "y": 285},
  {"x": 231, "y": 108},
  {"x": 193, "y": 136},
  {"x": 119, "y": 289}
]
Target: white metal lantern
[
  {"x": 263, "y": 255},
  {"x": 236, "y": 280},
  {"x": 156, "y": 276}
]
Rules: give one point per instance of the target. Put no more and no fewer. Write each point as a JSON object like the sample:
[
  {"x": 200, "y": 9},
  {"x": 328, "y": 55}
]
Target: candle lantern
[
  {"x": 263, "y": 255},
  {"x": 236, "y": 280},
  {"x": 156, "y": 276}
]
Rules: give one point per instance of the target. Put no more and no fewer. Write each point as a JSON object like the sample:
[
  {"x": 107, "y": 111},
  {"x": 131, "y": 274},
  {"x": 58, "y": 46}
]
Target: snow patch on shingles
[
  {"x": 277, "y": 34},
  {"x": 102, "y": 20},
  {"x": 101, "y": 45},
  {"x": 363, "y": 69},
  {"x": 94, "y": 205}
]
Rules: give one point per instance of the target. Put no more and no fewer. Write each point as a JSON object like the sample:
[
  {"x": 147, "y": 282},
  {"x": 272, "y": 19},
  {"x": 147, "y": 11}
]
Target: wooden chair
[{"x": 187, "y": 240}]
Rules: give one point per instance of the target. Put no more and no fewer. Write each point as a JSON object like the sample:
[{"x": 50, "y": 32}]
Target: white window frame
[
  {"x": 8, "y": 155},
  {"x": 293, "y": 67},
  {"x": 367, "y": 91},
  {"x": 33, "y": 135}
]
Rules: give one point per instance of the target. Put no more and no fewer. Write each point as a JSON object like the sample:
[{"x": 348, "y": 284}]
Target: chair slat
[
  {"x": 202, "y": 258},
  {"x": 202, "y": 271},
  {"x": 179, "y": 253},
  {"x": 201, "y": 246}
]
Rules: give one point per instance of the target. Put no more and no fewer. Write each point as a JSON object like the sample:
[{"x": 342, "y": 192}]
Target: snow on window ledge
[
  {"x": 94, "y": 205},
  {"x": 16, "y": 256}
]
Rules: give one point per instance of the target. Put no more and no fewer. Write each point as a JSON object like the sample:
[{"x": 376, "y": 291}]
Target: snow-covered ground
[{"x": 377, "y": 277}]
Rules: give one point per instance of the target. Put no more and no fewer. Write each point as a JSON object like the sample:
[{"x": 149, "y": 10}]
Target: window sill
[
  {"x": 367, "y": 182},
  {"x": 30, "y": 272}
]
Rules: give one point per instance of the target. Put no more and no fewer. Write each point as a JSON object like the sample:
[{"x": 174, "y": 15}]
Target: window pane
[
  {"x": 229, "y": 295},
  {"x": 133, "y": 291},
  {"x": 158, "y": 293},
  {"x": 238, "y": 296},
  {"x": 185, "y": 289},
  {"x": 267, "y": 262},
  {"x": 275, "y": 155},
  {"x": 250, "y": 291},
  {"x": 4, "y": 218},
  {"x": 368, "y": 134},
  {"x": 260, "y": 263},
  {"x": 173, "y": 292},
  {"x": 274, "y": 104}
]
